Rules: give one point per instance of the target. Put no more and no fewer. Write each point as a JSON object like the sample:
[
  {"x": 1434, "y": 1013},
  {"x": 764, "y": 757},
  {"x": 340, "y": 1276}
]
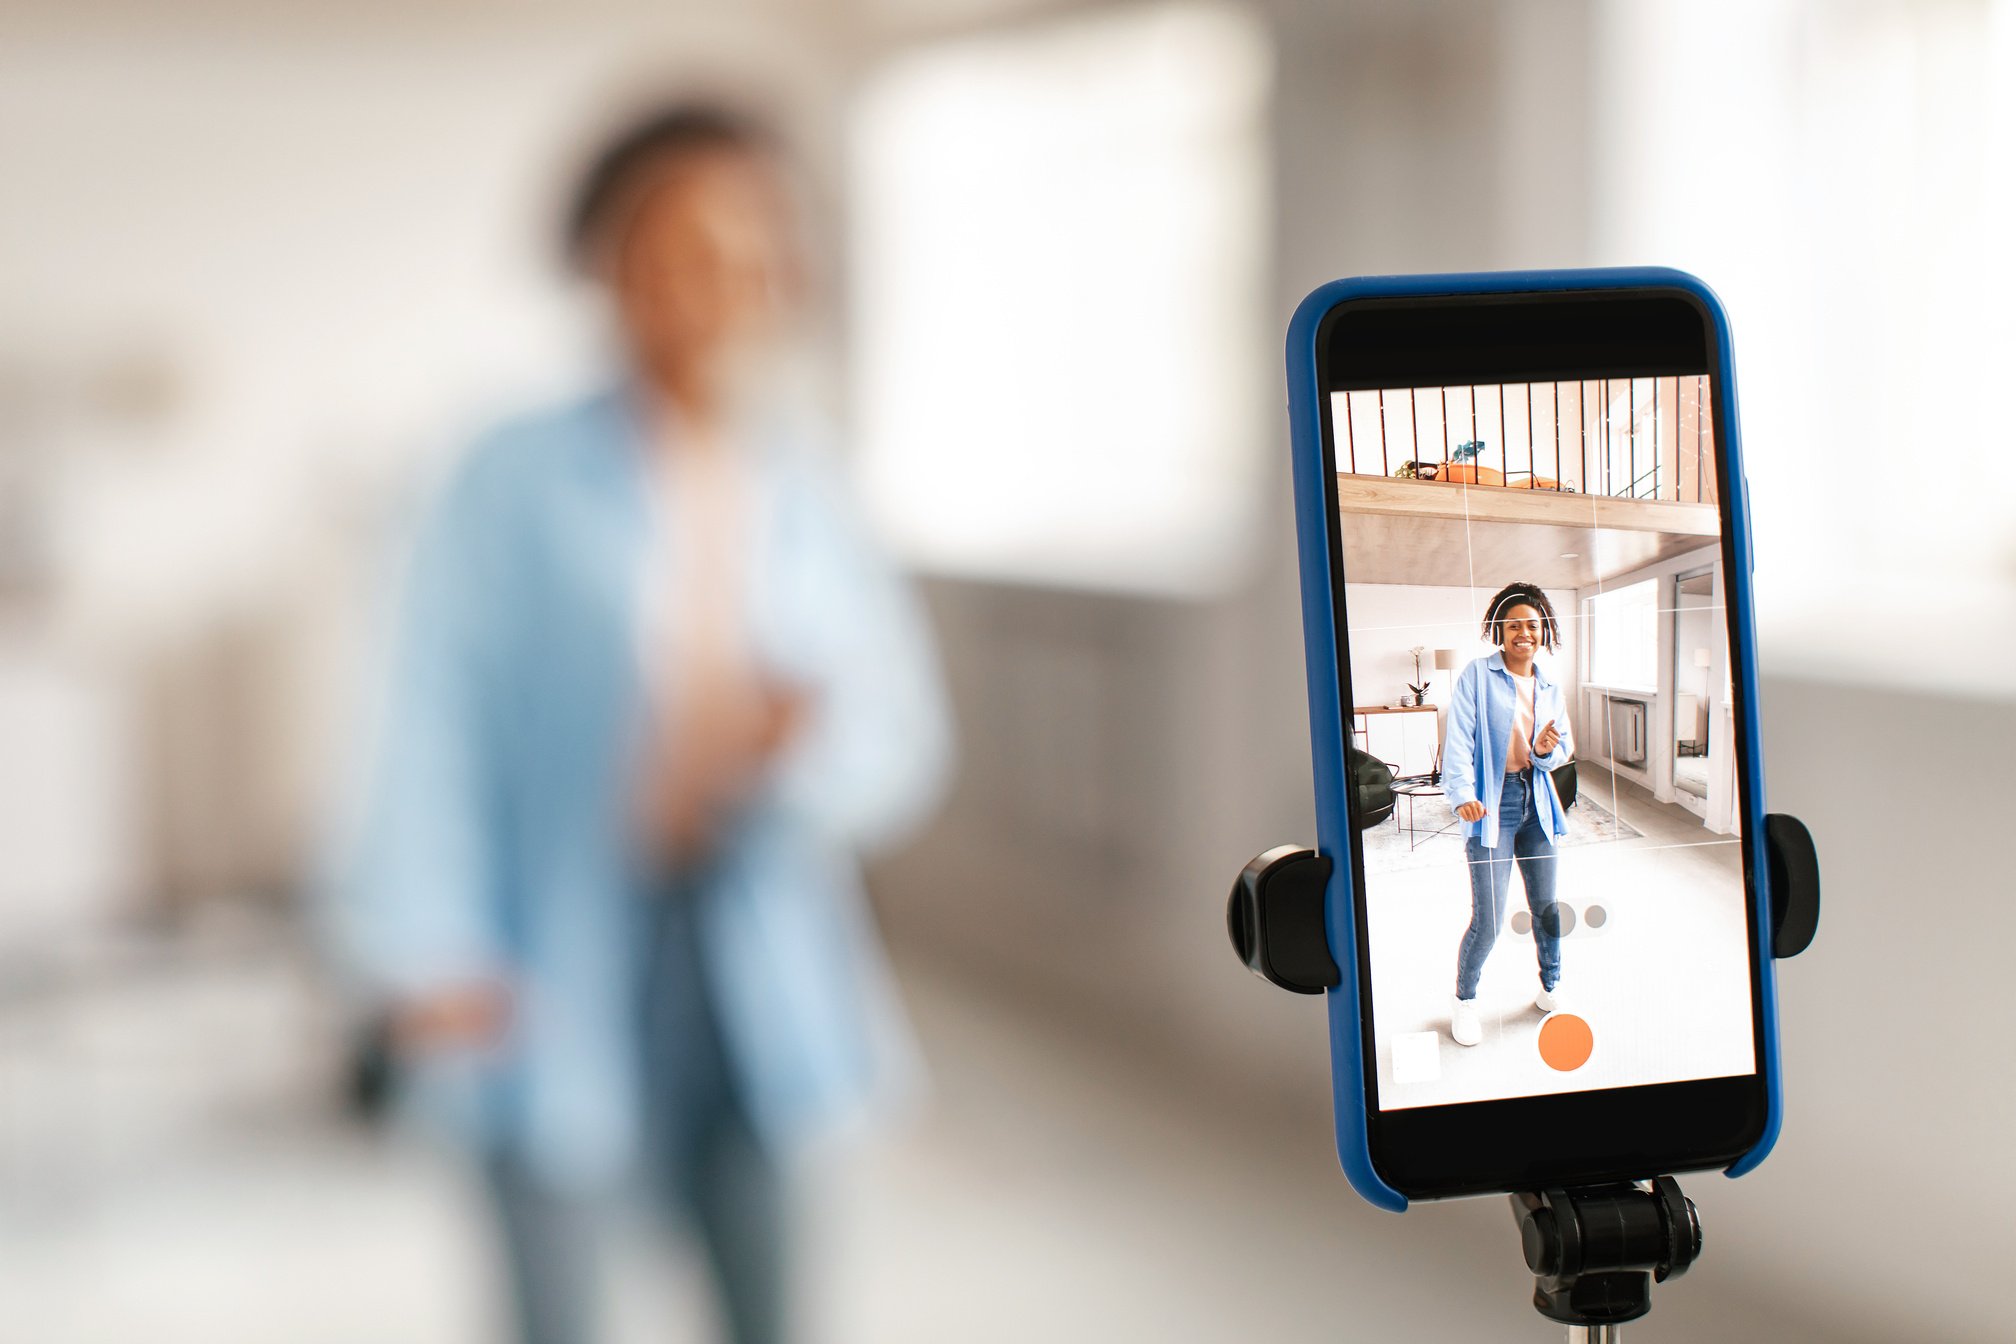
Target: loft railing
[{"x": 1631, "y": 438}]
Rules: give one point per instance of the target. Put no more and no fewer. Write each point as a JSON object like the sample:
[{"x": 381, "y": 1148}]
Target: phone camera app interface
[{"x": 1542, "y": 737}]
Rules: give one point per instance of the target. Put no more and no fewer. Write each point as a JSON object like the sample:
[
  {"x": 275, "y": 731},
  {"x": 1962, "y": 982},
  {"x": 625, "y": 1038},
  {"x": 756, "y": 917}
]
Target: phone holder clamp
[{"x": 1275, "y": 917}]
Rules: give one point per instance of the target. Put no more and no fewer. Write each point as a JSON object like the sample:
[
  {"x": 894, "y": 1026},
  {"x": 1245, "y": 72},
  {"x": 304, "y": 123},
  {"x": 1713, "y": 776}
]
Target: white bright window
[
  {"x": 1061, "y": 340},
  {"x": 1624, "y": 637},
  {"x": 1840, "y": 174}
]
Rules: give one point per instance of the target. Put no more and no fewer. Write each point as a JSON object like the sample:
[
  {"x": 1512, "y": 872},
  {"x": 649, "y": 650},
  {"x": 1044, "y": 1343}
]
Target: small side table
[{"x": 1410, "y": 789}]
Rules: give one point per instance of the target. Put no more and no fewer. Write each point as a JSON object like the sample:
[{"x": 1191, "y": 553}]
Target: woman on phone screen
[{"x": 1508, "y": 730}]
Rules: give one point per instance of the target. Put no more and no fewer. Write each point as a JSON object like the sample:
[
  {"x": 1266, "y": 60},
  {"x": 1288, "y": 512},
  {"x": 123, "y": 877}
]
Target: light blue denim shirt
[
  {"x": 489, "y": 838},
  {"x": 1481, "y": 710}
]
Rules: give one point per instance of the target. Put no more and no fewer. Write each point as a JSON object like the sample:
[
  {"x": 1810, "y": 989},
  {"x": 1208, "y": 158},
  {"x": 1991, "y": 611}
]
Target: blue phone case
[{"x": 1326, "y": 725}]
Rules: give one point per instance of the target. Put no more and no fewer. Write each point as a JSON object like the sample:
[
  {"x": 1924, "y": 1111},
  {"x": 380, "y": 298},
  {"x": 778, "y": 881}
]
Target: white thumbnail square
[{"x": 1417, "y": 1057}]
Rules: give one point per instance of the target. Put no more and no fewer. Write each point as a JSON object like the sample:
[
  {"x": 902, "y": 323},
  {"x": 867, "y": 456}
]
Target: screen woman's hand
[
  {"x": 1546, "y": 740},
  {"x": 1472, "y": 811}
]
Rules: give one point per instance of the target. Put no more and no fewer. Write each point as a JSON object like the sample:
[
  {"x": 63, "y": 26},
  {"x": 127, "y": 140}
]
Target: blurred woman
[
  {"x": 653, "y": 691},
  {"x": 1508, "y": 730}
]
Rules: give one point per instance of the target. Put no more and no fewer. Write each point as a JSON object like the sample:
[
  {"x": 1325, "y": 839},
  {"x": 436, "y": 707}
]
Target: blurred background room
[{"x": 264, "y": 269}]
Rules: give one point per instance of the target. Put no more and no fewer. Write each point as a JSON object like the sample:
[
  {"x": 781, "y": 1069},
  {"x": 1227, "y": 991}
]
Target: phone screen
[{"x": 1543, "y": 726}]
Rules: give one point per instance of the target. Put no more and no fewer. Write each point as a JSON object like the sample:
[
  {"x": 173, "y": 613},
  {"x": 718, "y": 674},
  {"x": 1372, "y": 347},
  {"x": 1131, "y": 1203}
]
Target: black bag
[
  {"x": 1563, "y": 776},
  {"x": 1372, "y": 779}
]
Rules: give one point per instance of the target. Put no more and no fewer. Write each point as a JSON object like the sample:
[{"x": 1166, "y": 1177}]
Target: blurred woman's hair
[
  {"x": 617, "y": 175},
  {"x": 1521, "y": 595}
]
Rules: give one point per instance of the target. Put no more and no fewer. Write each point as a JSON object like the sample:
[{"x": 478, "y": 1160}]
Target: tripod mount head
[{"x": 1596, "y": 1251}]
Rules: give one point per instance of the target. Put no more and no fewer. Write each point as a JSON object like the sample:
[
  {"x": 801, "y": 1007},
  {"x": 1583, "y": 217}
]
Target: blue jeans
[
  {"x": 1521, "y": 837},
  {"x": 705, "y": 1166}
]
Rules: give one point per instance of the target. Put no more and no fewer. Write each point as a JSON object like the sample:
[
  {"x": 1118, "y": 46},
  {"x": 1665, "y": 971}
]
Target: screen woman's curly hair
[{"x": 1521, "y": 595}]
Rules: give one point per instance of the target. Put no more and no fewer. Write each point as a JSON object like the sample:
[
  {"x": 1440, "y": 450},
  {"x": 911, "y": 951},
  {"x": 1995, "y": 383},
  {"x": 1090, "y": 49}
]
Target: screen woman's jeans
[
  {"x": 705, "y": 1166},
  {"x": 1525, "y": 841}
]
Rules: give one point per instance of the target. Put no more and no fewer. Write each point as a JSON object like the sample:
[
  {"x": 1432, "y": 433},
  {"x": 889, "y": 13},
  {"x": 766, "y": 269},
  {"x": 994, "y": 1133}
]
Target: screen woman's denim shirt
[{"x": 1481, "y": 711}]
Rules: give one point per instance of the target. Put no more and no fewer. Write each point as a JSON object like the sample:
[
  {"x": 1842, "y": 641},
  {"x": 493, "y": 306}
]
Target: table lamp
[{"x": 1448, "y": 660}]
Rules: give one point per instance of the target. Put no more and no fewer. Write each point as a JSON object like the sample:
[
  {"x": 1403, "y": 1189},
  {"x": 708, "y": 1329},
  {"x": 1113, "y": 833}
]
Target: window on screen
[{"x": 1624, "y": 637}]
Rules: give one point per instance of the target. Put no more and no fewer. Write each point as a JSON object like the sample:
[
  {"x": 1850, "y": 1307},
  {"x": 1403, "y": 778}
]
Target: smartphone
[{"x": 1525, "y": 562}]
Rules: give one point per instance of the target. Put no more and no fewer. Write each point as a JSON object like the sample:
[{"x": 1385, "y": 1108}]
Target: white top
[{"x": 1519, "y": 752}]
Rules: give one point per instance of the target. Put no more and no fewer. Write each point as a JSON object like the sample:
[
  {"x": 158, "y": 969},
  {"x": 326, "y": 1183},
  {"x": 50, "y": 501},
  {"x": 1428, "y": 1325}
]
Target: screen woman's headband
[{"x": 1519, "y": 597}]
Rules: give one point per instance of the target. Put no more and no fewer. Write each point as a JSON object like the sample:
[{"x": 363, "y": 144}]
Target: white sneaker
[
  {"x": 1551, "y": 1000},
  {"x": 1464, "y": 1023}
]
